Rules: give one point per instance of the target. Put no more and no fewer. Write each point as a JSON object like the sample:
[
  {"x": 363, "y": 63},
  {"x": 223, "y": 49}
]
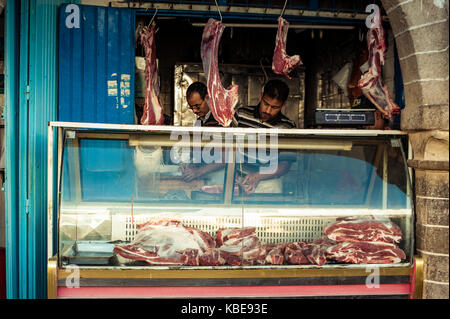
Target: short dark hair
[
  {"x": 276, "y": 89},
  {"x": 198, "y": 87}
]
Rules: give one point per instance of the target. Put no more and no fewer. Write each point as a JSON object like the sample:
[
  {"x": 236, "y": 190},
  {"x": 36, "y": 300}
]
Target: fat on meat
[
  {"x": 366, "y": 252},
  {"x": 316, "y": 251},
  {"x": 222, "y": 101},
  {"x": 226, "y": 234},
  {"x": 364, "y": 228},
  {"x": 371, "y": 82},
  {"x": 166, "y": 242},
  {"x": 239, "y": 246},
  {"x": 282, "y": 63},
  {"x": 153, "y": 110},
  {"x": 275, "y": 256},
  {"x": 212, "y": 257},
  {"x": 295, "y": 256}
]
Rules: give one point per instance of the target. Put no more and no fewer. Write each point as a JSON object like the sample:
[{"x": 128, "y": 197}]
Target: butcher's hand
[{"x": 250, "y": 182}]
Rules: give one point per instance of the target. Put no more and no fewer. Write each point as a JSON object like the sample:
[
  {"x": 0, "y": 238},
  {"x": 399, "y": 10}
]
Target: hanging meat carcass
[
  {"x": 153, "y": 110},
  {"x": 221, "y": 101},
  {"x": 282, "y": 63},
  {"x": 371, "y": 82}
]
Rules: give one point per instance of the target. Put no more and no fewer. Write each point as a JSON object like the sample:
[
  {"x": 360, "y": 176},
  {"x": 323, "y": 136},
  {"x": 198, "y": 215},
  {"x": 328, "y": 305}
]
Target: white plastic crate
[{"x": 269, "y": 229}]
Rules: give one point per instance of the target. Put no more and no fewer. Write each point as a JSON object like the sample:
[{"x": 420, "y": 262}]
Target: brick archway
[{"x": 421, "y": 34}]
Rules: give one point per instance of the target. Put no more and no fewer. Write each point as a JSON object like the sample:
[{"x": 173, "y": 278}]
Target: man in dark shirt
[
  {"x": 197, "y": 99},
  {"x": 267, "y": 113}
]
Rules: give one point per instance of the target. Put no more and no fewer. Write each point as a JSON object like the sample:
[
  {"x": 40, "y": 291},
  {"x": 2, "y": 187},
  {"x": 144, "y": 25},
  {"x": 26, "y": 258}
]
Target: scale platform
[{"x": 345, "y": 117}]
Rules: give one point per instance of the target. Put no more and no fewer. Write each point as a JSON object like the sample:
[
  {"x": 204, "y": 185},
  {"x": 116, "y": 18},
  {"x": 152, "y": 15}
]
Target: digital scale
[{"x": 345, "y": 117}]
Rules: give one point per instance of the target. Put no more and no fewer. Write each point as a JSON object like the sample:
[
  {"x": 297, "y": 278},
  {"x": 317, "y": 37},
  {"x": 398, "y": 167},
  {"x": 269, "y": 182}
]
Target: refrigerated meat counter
[{"x": 162, "y": 211}]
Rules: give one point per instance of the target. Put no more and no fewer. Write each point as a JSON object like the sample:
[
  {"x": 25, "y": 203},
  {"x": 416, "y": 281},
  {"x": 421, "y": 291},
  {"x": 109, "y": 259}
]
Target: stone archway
[{"x": 420, "y": 29}]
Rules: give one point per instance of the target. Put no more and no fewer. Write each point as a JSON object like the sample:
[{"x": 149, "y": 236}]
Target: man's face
[
  {"x": 198, "y": 105},
  {"x": 269, "y": 108}
]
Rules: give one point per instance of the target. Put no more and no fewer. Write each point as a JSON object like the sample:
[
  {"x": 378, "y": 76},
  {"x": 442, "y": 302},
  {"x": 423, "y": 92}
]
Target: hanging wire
[
  {"x": 153, "y": 18},
  {"x": 284, "y": 8},
  {"x": 218, "y": 9}
]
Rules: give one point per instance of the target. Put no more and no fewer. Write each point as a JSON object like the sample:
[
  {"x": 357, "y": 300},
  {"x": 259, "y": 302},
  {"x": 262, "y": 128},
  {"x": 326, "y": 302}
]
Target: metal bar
[
  {"x": 60, "y": 159},
  {"x": 282, "y": 143},
  {"x": 385, "y": 177},
  {"x": 169, "y": 129},
  {"x": 50, "y": 181},
  {"x": 418, "y": 277},
  {"x": 249, "y": 12},
  {"x": 52, "y": 277},
  {"x": 231, "y": 168},
  {"x": 284, "y": 271},
  {"x": 24, "y": 128},
  {"x": 12, "y": 57},
  {"x": 274, "y": 26}
]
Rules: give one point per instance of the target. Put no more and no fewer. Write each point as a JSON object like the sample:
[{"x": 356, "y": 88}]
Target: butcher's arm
[
  {"x": 191, "y": 173},
  {"x": 251, "y": 181}
]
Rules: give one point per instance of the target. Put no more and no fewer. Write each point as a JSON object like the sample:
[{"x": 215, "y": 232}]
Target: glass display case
[{"x": 139, "y": 197}]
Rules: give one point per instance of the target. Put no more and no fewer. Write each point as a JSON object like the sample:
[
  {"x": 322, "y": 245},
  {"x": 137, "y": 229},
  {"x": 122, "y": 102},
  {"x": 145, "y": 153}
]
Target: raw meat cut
[
  {"x": 316, "y": 250},
  {"x": 248, "y": 241},
  {"x": 275, "y": 256},
  {"x": 239, "y": 246},
  {"x": 190, "y": 257},
  {"x": 282, "y": 63},
  {"x": 218, "y": 189},
  {"x": 212, "y": 257},
  {"x": 293, "y": 254},
  {"x": 366, "y": 253},
  {"x": 166, "y": 242},
  {"x": 226, "y": 234},
  {"x": 153, "y": 110},
  {"x": 221, "y": 101},
  {"x": 366, "y": 228},
  {"x": 371, "y": 82},
  {"x": 135, "y": 253}
]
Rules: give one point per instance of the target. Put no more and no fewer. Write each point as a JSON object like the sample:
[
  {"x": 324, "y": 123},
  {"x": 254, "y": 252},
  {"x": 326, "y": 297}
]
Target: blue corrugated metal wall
[
  {"x": 12, "y": 49},
  {"x": 96, "y": 64},
  {"x": 31, "y": 100},
  {"x": 96, "y": 85}
]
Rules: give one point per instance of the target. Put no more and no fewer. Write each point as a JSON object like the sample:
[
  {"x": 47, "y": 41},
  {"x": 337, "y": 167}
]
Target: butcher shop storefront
[{"x": 148, "y": 197}]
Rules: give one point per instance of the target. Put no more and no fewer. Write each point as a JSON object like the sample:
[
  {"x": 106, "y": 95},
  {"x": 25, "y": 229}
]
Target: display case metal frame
[{"x": 398, "y": 277}]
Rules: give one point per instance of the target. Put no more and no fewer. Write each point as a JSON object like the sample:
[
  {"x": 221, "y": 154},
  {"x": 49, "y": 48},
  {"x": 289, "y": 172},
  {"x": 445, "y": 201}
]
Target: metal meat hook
[
  {"x": 218, "y": 9},
  {"x": 153, "y": 18},
  {"x": 284, "y": 8}
]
